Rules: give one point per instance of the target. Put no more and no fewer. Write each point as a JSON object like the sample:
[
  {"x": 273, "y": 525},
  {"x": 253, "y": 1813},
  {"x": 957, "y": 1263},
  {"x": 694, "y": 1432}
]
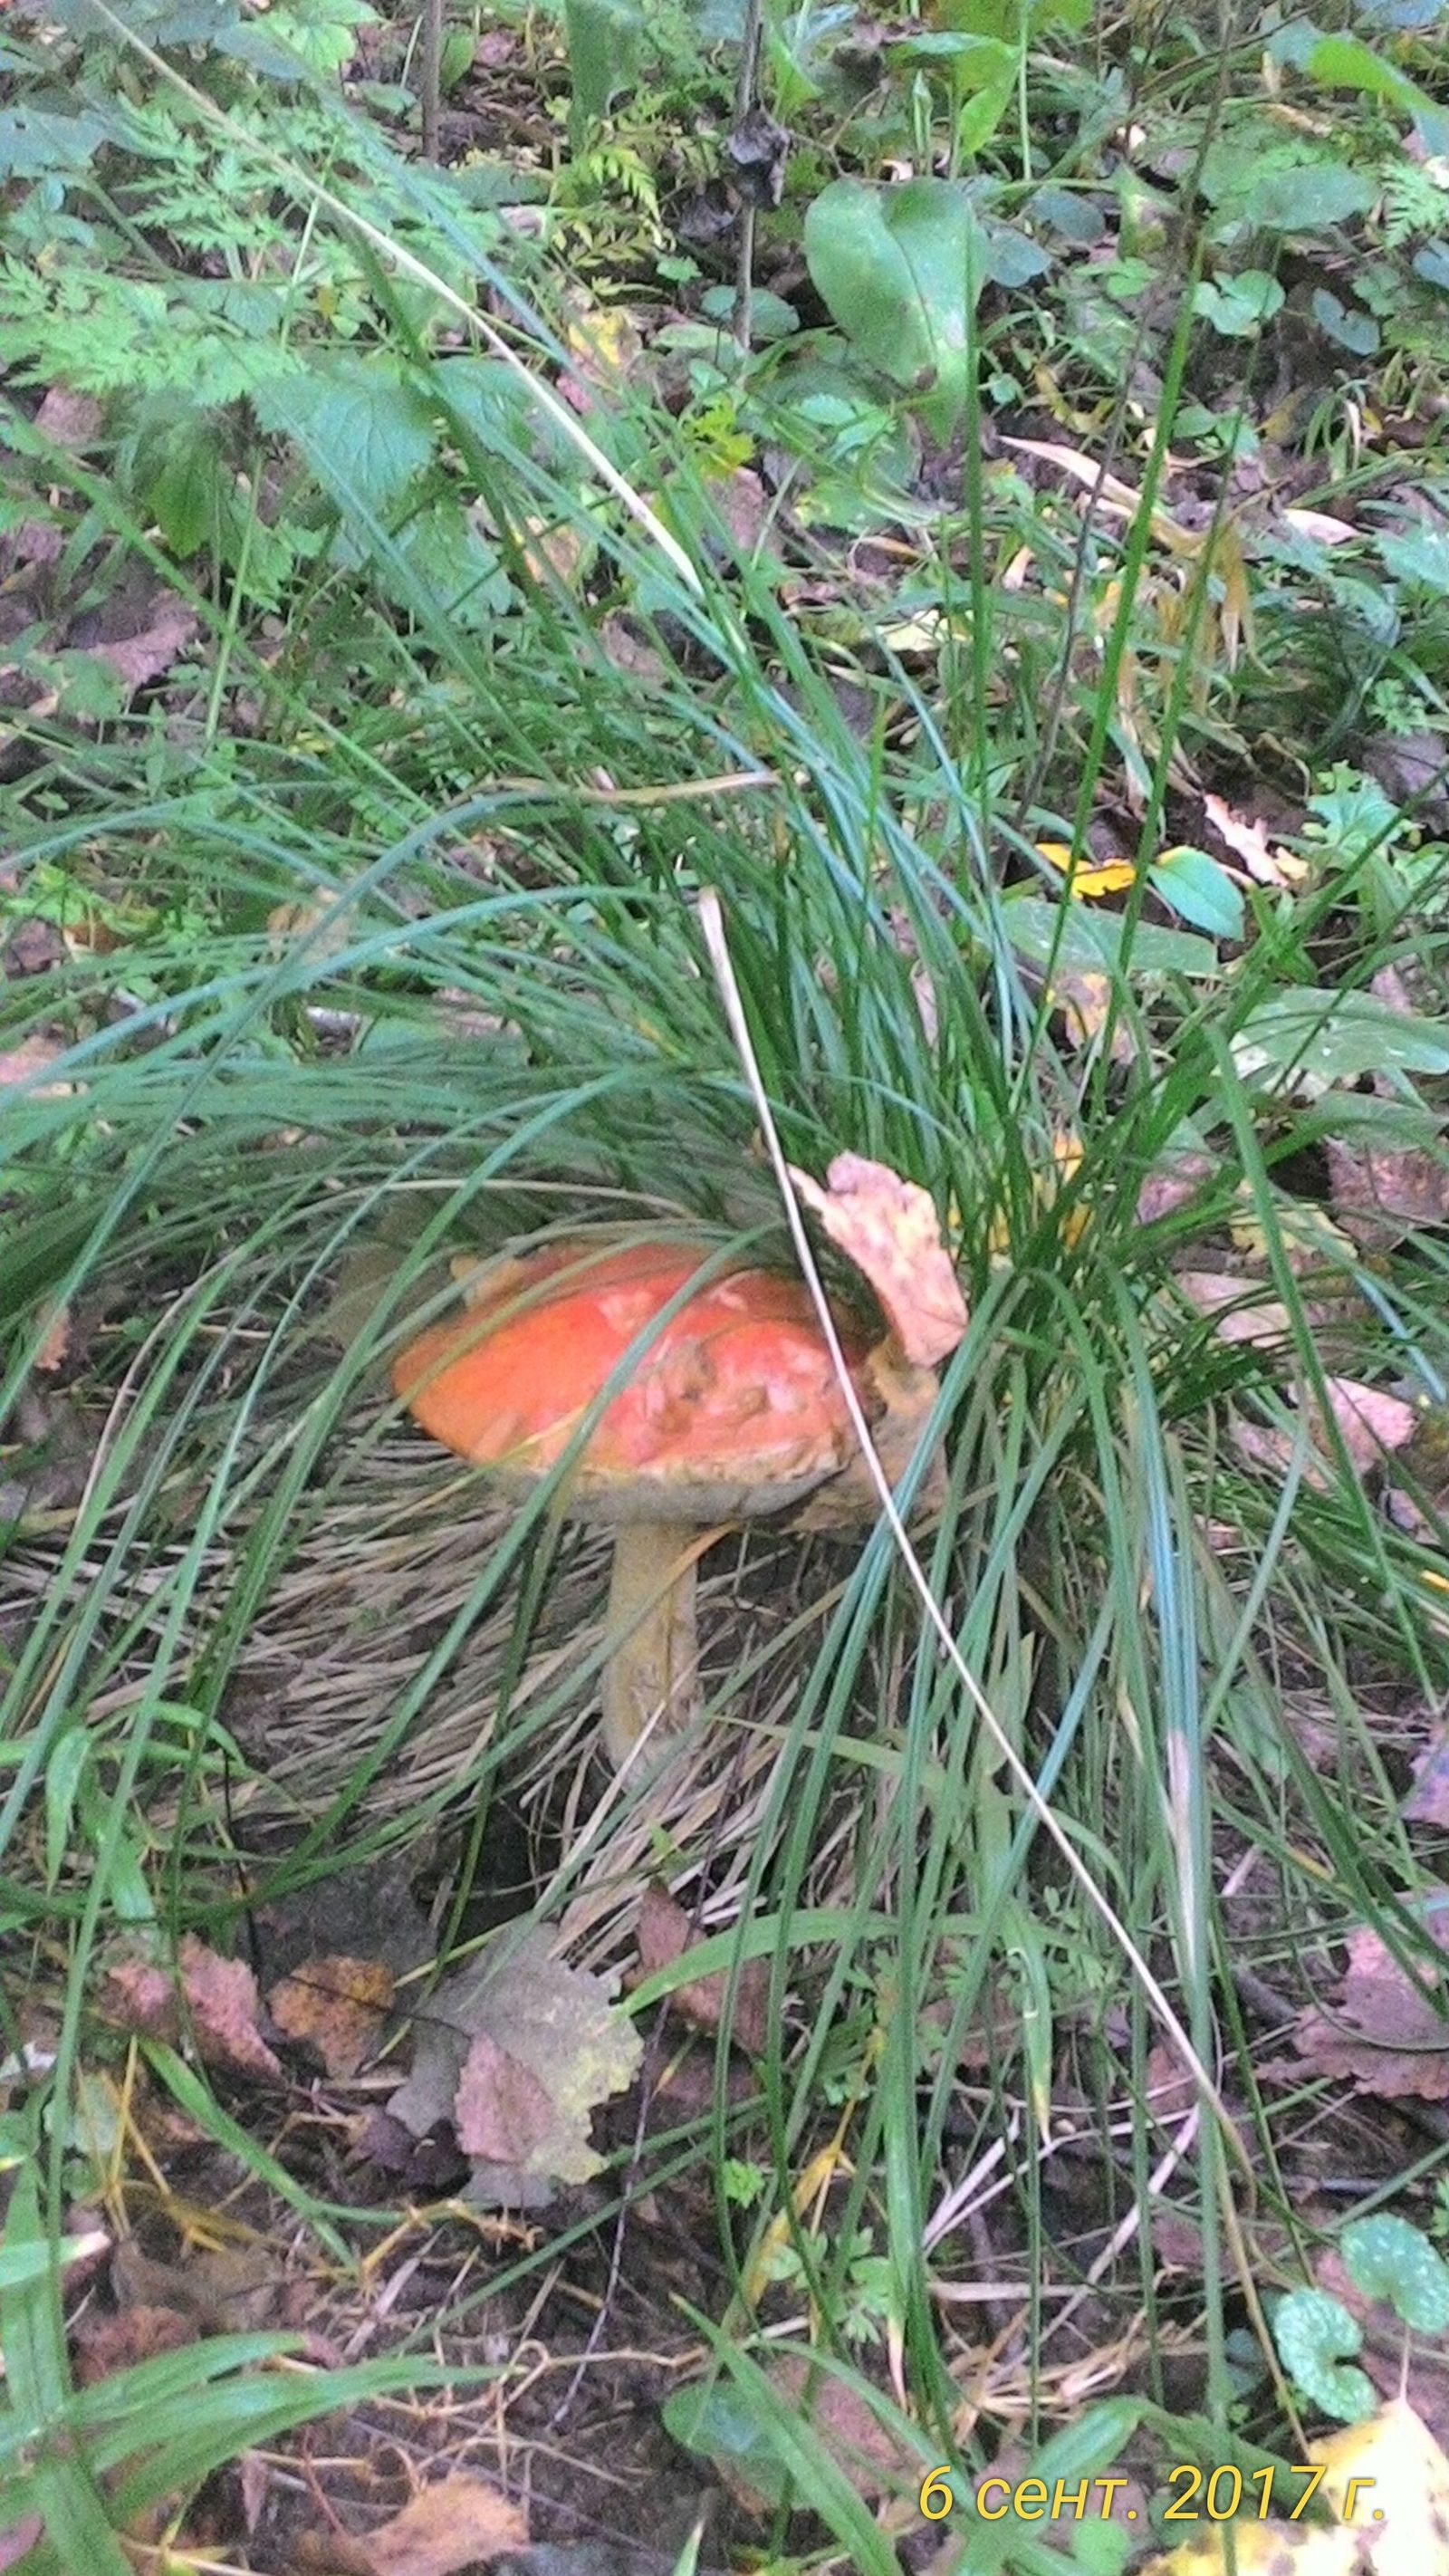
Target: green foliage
[
  {"x": 1313, "y": 2333},
  {"x": 390, "y": 913},
  {"x": 1387, "y": 2259},
  {"x": 901, "y": 270}
]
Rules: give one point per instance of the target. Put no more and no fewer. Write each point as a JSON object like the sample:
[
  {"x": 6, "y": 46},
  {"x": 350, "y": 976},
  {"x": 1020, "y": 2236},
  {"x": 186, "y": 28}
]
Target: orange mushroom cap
[{"x": 733, "y": 1408}]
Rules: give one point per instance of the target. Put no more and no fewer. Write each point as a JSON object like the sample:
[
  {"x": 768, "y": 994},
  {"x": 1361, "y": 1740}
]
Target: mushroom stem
[{"x": 650, "y": 1673}]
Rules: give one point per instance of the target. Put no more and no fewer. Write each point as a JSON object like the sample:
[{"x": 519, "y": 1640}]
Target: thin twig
[
  {"x": 430, "y": 84},
  {"x": 747, "y": 90}
]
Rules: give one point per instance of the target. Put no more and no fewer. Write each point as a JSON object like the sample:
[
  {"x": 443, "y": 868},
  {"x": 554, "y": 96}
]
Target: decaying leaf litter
[{"x": 309, "y": 2053}]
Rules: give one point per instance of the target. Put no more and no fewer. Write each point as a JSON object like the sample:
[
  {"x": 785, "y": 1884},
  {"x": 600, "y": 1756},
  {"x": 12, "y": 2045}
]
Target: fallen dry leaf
[
  {"x": 458, "y": 2523},
  {"x": 1179, "y": 1179},
  {"x": 105, "y": 2346},
  {"x": 1319, "y": 525},
  {"x": 889, "y": 1228},
  {"x": 1381, "y": 1196},
  {"x": 24, "y": 1062},
  {"x": 55, "y": 1340},
  {"x": 1370, "y": 1423},
  {"x": 215, "y": 2002},
  {"x": 135, "y": 659},
  {"x": 1237, "y": 1306},
  {"x": 1387, "y": 2482},
  {"x": 1084, "y": 999},
  {"x": 665, "y": 1934},
  {"x": 1385, "y": 2033},
  {"x": 500, "y": 2110},
  {"x": 338, "y": 2005},
  {"x": 1248, "y": 841},
  {"x": 556, "y": 2024},
  {"x": 72, "y": 420},
  {"x": 1428, "y": 1801},
  {"x": 1093, "y": 878},
  {"x": 19, "y": 2538},
  {"x": 847, "y": 2428},
  {"x": 33, "y": 947}
]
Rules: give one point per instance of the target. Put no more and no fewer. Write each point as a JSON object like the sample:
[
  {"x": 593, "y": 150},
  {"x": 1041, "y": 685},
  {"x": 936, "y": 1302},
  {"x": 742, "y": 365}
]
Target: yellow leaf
[
  {"x": 1264, "y": 2549},
  {"x": 1392, "y": 2468},
  {"x": 1091, "y": 880},
  {"x": 1387, "y": 2485}
]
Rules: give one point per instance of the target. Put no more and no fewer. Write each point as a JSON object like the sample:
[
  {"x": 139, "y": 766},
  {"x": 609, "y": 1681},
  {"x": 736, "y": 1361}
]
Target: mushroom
[{"x": 730, "y": 1409}]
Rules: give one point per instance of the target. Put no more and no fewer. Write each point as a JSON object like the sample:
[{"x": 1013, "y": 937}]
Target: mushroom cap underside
[{"x": 732, "y": 1409}]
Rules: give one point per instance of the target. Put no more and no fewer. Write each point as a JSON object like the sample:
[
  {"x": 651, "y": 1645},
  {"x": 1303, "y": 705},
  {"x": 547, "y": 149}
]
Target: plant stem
[
  {"x": 430, "y": 82},
  {"x": 746, "y": 95},
  {"x": 650, "y": 1673}
]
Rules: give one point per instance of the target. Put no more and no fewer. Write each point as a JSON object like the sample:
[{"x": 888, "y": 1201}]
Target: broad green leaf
[
  {"x": 187, "y": 491},
  {"x": 1346, "y": 62},
  {"x": 1238, "y": 306},
  {"x": 1313, "y": 2333},
  {"x": 1307, "y": 197},
  {"x": 1432, "y": 264},
  {"x": 362, "y": 428},
  {"x": 1337, "y": 1037},
  {"x": 32, "y": 143},
  {"x": 1198, "y": 889},
  {"x": 1094, "y": 939},
  {"x": 901, "y": 269},
  {"x": 1352, "y": 330},
  {"x": 604, "y": 40},
  {"x": 1012, "y": 258},
  {"x": 719, "y": 2423},
  {"x": 1389, "y": 2259},
  {"x": 1417, "y": 555},
  {"x": 771, "y": 318},
  {"x": 321, "y": 33}
]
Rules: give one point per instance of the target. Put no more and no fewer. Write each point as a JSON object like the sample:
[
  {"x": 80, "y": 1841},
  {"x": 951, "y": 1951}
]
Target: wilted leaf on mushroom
[{"x": 890, "y": 1230}]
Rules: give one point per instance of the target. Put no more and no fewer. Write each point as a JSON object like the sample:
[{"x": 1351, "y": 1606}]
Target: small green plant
[{"x": 1388, "y": 2259}]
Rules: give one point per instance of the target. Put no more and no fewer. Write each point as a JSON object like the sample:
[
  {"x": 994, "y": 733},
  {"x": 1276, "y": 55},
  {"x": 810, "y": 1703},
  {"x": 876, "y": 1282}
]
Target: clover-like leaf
[
  {"x": 1389, "y": 2259},
  {"x": 1313, "y": 2333}
]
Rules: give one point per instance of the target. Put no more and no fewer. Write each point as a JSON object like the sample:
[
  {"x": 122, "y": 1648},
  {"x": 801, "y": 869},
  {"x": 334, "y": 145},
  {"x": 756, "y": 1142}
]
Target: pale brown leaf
[
  {"x": 338, "y": 2005},
  {"x": 457, "y": 2523},
  {"x": 1385, "y": 2034},
  {"x": 25, "y": 1061},
  {"x": 1371, "y": 1423},
  {"x": 889, "y": 1228},
  {"x": 215, "y": 2003},
  {"x": 500, "y": 2110},
  {"x": 1238, "y": 1310},
  {"x": 1248, "y": 841},
  {"x": 55, "y": 1341},
  {"x": 1178, "y": 1180},
  {"x": 1320, "y": 525},
  {"x": 557, "y": 2023},
  {"x": 664, "y": 1936},
  {"x": 1084, "y": 998},
  {"x": 136, "y": 659},
  {"x": 1380, "y": 1196},
  {"x": 1428, "y": 1801},
  {"x": 71, "y": 420}
]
